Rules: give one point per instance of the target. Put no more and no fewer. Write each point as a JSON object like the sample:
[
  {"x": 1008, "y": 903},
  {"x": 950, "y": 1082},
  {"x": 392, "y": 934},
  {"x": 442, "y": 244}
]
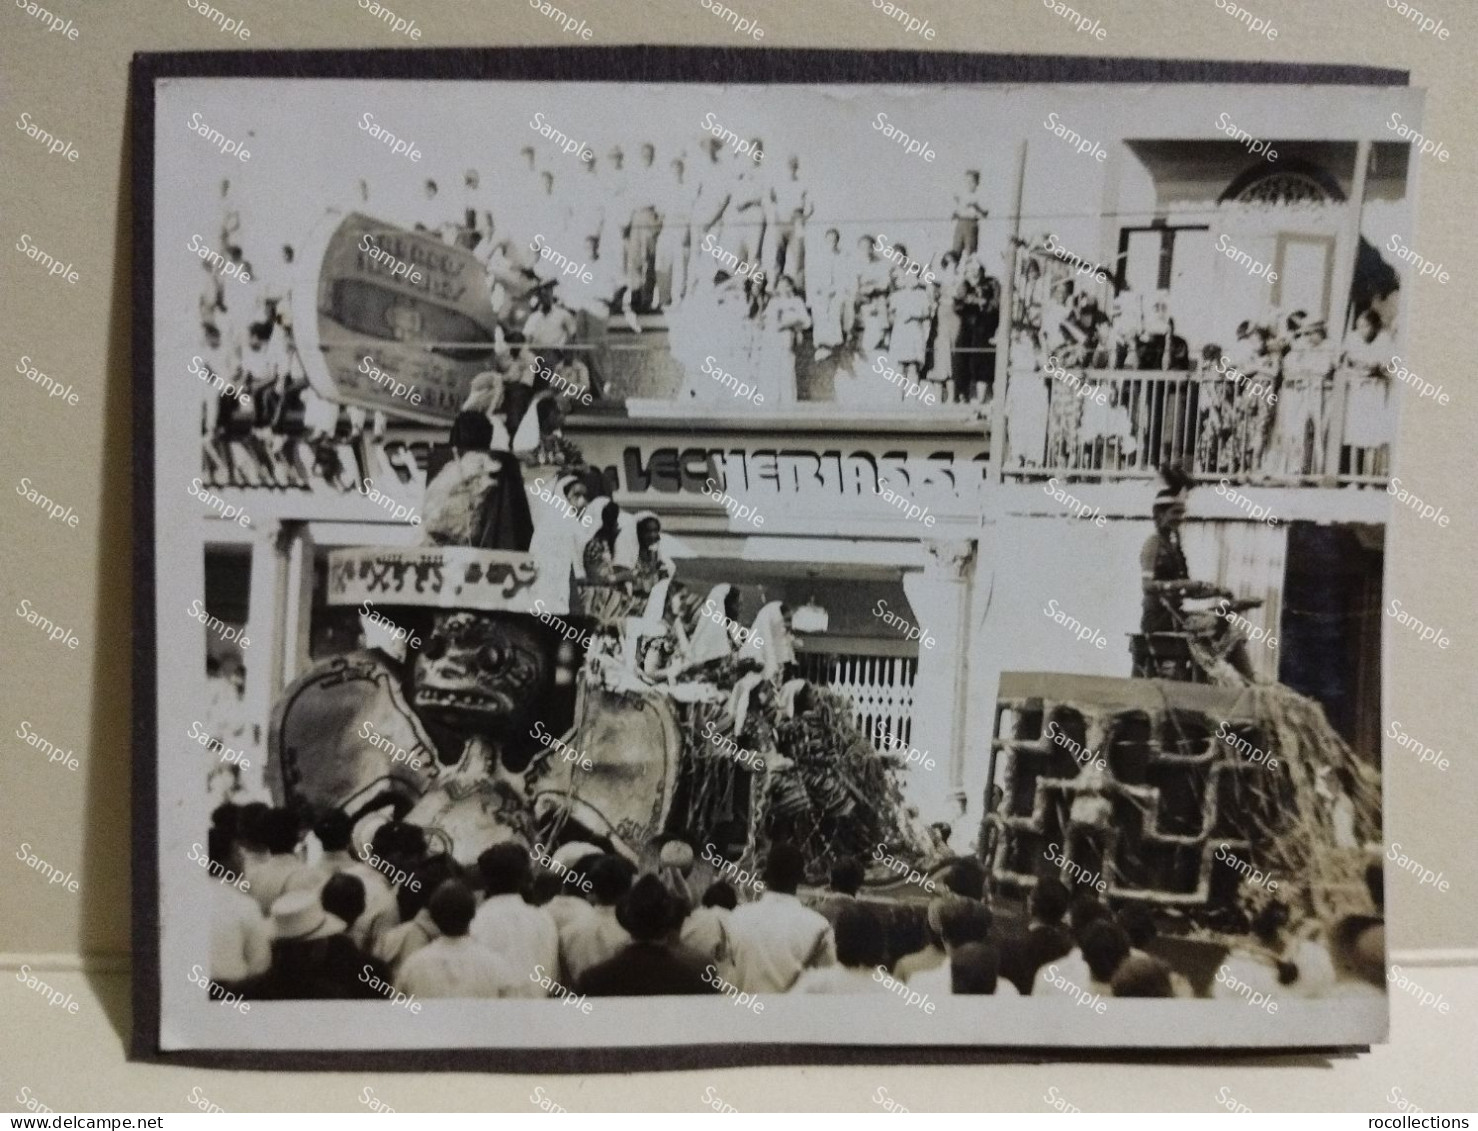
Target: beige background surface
[{"x": 80, "y": 455}]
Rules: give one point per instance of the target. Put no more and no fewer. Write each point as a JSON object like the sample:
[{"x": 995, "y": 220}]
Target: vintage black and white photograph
[{"x": 887, "y": 564}]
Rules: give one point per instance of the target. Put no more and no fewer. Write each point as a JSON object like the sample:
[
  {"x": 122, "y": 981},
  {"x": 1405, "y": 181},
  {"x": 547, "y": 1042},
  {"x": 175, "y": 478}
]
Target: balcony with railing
[{"x": 1294, "y": 427}]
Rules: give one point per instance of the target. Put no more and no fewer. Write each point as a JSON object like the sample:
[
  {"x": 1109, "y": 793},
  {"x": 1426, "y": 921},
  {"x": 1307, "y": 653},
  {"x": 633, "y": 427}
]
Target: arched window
[{"x": 1289, "y": 182}]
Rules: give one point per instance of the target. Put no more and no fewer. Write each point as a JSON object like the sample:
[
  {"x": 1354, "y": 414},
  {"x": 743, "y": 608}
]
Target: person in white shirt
[
  {"x": 588, "y": 940},
  {"x": 240, "y": 936},
  {"x": 552, "y": 220},
  {"x": 861, "y": 951},
  {"x": 270, "y": 862},
  {"x": 587, "y": 206},
  {"x": 774, "y": 939},
  {"x": 962, "y": 923},
  {"x": 968, "y": 211},
  {"x": 674, "y": 241},
  {"x": 399, "y": 922},
  {"x": 790, "y": 207},
  {"x": 615, "y": 222},
  {"x": 523, "y": 935},
  {"x": 706, "y": 929},
  {"x": 1091, "y": 965},
  {"x": 456, "y": 965},
  {"x": 644, "y": 200}
]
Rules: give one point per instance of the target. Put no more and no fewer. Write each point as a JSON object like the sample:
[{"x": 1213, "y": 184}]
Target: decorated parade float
[{"x": 492, "y": 700}]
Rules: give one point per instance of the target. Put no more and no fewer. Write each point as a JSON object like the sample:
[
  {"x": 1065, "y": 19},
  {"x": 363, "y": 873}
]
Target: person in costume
[
  {"x": 1165, "y": 579},
  {"x": 477, "y": 498},
  {"x": 559, "y": 543}
]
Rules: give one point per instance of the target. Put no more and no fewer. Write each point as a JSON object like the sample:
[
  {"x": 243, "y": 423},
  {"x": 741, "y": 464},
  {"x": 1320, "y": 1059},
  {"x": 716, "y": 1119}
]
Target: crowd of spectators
[{"x": 303, "y": 913}]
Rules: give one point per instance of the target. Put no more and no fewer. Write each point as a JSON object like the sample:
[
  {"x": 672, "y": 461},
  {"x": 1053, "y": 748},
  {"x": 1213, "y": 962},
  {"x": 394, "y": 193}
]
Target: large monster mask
[{"x": 483, "y": 670}]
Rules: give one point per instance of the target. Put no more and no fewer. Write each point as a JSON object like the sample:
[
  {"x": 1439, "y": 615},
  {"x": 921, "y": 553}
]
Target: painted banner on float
[
  {"x": 449, "y": 577},
  {"x": 391, "y": 309}
]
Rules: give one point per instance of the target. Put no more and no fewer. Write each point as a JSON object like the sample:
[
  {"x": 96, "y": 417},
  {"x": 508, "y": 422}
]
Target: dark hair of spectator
[
  {"x": 1049, "y": 900},
  {"x": 847, "y": 875},
  {"x": 251, "y": 830},
  {"x": 343, "y": 896},
  {"x": 452, "y": 907},
  {"x": 647, "y": 911},
  {"x": 785, "y": 868},
  {"x": 429, "y": 874},
  {"x": 974, "y": 969},
  {"x": 967, "y": 878},
  {"x": 860, "y": 939},
  {"x": 1142, "y": 976},
  {"x": 280, "y": 831},
  {"x": 1105, "y": 946},
  {"x": 333, "y": 830},
  {"x": 963, "y": 921},
  {"x": 720, "y": 894},
  {"x": 400, "y": 842},
  {"x": 504, "y": 868},
  {"x": 610, "y": 878},
  {"x": 1138, "y": 922},
  {"x": 1086, "y": 910}
]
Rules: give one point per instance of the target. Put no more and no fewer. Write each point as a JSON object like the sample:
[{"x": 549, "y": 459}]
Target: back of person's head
[
  {"x": 471, "y": 432},
  {"x": 227, "y": 819},
  {"x": 847, "y": 875},
  {"x": 343, "y": 896},
  {"x": 251, "y": 826},
  {"x": 648, "y": 911},
  {"x": 1104, "y": 945},
  {"x": 974, "y": 969},
  {"x": 785, "y": 868},
  {"x": 333, "y": 830},
  {"x": 1138, "y": 922},
  {"x": 1269, "y": 922},
  {"x": 860, "y": 938},
  {"x": 966, "y": 877},
  {"x": 1139, "y": 975},
  {"x": 610, "y": 878},
  {"x": 1375, "y": 884},
  {"x": 452, "y": 906},
  {"x": 543, "y": 886},
  {"x": 1086, "y": 909},
  {"x": 220, "y": 848},
  {"x": 280, "y": 831},
  {"x": 577, "y": 875},
  {"x": 1049, "y": 900},
  {"x": 426, "y": 876},
  {"x": 399, "y": 842},
  {"x": 721, "y": 894},
  {"x": 963, "y": 921},
  {"x": 504, "y": 868}
]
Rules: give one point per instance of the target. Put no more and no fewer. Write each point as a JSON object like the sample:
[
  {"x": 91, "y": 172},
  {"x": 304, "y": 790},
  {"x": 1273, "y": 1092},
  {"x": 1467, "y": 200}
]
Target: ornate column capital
[{"x": 948, "y": 560}]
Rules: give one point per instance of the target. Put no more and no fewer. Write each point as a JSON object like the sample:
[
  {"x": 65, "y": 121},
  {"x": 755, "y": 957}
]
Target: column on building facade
[
  {"x": 940, "y": 598},
  {"x": 269, "y": 657}
]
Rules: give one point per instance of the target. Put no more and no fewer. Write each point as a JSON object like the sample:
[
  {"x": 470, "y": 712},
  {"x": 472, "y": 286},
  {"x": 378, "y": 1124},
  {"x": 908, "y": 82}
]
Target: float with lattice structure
[{"x": 1175, "y": 794}]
